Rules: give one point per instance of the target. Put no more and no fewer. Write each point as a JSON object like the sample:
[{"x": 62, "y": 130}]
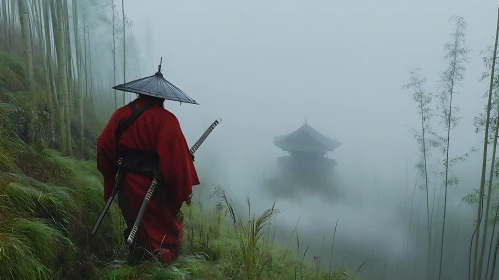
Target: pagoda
[{"x": 307, "y": 151}]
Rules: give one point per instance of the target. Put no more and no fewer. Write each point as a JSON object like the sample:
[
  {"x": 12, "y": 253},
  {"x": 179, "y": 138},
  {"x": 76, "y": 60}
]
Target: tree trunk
[
  {"x": 457, "y": 55},
  {"x": 13, "y": 15},
  {"x": 27, "y": 47},
  {"x": 61, "y": 75},
  {"x": 482, "y": 186},
  {"x": 91, "y": 77},
  {"x": 85, "y": 54},
  {"x": 113, "y": 9},
  {"x": 124, "y": 48},
  {"x": 80, "y": 76},
  {"x": 67, "y": 72},
  {"x": 8, "y": 24},
  {"x": 50, "y": 62},
  {"x": 28, "y": 54},
  {"x": 494, "y": 259},
  {"x": 45, "y": 49},
  {"x": 492, "y": 240},
  {"x": 32, "y": 28},
  {"x": 5, "y": 24},
  {"x": 69, "y": 61}
]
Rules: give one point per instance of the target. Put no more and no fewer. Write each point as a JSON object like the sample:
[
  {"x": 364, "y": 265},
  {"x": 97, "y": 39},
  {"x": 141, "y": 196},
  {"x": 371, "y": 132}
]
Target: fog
[{"x": 265, "y": 67}]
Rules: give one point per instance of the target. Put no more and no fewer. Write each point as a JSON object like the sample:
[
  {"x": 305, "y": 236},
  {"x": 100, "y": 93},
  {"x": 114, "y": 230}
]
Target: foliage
[
  {"x": 425, "y": 137},
  {"x": 47, "y": 203},
  {"x": 236, "y": 250},
  {"x": 45, "y": 219},
  {"x": 456, "y": 54}
]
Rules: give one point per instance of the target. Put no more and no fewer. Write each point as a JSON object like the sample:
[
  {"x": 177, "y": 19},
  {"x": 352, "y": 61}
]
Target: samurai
[{"x": 142, "y": 140}]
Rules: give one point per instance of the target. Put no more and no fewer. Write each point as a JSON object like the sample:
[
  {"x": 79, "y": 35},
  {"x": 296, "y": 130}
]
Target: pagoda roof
[{"x": 305, "y": 139}]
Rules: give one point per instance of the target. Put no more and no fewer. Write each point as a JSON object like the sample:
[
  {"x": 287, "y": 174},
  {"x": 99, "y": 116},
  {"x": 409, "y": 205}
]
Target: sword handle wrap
[
  {"x": 142, "y": 210},
  {"x": 151, "y": 189},
  {"x": 131, "y": 237},
  {"x": 203, "y": 137}
]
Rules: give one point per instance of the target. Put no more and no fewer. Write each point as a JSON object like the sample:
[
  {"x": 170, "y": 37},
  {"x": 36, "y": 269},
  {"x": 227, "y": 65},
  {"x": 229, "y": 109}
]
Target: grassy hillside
[{"x": 48, "y": 204}]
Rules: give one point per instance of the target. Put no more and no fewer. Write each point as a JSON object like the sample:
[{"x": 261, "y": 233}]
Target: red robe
[{"x": 156, "y": 130}]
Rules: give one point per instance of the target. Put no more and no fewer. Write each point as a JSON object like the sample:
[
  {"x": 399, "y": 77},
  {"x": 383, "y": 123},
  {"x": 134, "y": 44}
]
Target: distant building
[{"x": 307, "y": 151}]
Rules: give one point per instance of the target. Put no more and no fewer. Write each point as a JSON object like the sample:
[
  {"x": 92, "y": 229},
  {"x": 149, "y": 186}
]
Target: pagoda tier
[
  {"x": 306, "y": 140},
  {"x": 306, "y": 165}
]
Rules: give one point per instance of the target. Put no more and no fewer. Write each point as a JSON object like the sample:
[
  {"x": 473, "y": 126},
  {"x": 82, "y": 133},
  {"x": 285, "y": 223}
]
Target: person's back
[{"x": 153, "y": 141}]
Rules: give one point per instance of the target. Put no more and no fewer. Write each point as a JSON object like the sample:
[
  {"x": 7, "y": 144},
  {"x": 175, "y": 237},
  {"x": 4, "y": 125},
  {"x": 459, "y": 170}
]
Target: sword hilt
[
  {"x": 204, "y": 136},
  {"x": 142, "y": 210},
  {"x": 131, "y": 237}
]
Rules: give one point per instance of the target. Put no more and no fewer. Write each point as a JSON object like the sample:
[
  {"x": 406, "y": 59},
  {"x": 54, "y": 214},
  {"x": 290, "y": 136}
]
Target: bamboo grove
[
  {"x": 75, "y": 46},
  {"x": 484, "y": 244}
]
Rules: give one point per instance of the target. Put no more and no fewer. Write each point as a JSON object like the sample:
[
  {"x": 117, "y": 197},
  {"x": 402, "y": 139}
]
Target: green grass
[
  {"x": 46, "y": 215},
  {"x": 218, "y": 248},
  {"x": 47, "y": 206}
]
